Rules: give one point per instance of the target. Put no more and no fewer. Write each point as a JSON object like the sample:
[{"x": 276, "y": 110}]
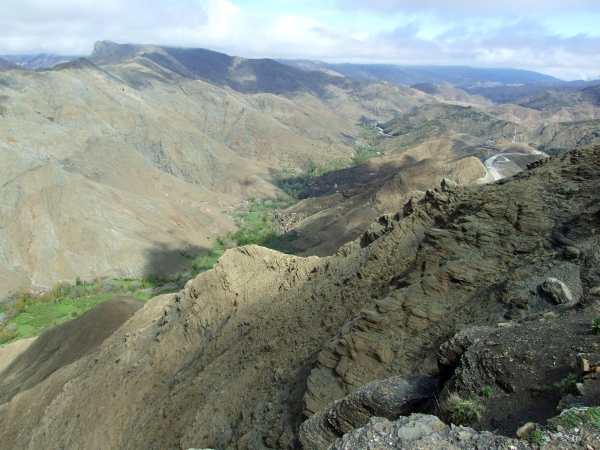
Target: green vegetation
[
  {"x": 486, "y": 391},
  {"x": 575, "y": 417},
  {"x": 29, "y": 315},
  {"x": 535, "y": 437},
  {"x": 297, "y": 185},
  {"x": 595, "y": 326},
  {"x": 208, "y": 260},
  {"x": 363, "y": 154},
  {"x": 568, "y": 384},
  {"x": 463, "y": 412},
  {"x": 257, "y": 228}
]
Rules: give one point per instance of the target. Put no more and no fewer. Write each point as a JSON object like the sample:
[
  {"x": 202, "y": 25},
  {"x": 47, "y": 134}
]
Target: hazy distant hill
[
  {"x": 462, "y": 76},
  {"x": 489, "y": 75},
  {"x": 40, "y": 61},
  {"x": 248, "y": 76},
  {"x": 507, "y": 94},
  {"x": 550, "y": 100},
  {"x": 7, "y": 65},
  {"x": 374, "y": 72}
]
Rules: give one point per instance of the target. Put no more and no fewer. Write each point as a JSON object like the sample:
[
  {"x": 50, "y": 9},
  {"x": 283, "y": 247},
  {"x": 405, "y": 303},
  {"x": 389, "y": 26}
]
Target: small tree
[{"x": 97, "y": 286}]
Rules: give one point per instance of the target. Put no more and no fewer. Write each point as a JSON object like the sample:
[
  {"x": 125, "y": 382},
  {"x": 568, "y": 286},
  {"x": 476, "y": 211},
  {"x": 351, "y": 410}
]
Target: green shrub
[
  {"x": 6, "y": 336},
  {"x": 568, "y": 384},
  {"x": 486, "y": 391},
  {"x": 463, "y": 412},
  {"x": 535, "y": 437},
  {"x": 595, "y": 325}
]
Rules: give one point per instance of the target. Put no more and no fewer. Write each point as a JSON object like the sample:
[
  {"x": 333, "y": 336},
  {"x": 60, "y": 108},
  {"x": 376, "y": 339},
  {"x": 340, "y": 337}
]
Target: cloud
[
  {"x": 468, "y": 7},
  {"x": 71, "y": 26},
  {"x": 527, "y": 42}
]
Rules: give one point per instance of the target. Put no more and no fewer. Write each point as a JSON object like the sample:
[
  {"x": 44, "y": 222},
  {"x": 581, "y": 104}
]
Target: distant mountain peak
[{"x": 6, "y": 65}]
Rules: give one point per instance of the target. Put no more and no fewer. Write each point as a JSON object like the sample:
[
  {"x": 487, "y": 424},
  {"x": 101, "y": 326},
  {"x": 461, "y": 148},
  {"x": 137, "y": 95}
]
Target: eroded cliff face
[{"x": 247, "y": 350}]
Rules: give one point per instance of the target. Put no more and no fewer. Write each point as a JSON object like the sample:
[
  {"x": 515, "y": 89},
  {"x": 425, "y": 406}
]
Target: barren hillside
[{"x": 116, "y": 171}]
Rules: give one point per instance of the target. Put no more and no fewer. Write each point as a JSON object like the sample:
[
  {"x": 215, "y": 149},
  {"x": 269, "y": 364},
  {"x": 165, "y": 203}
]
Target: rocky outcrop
[
  {"x": 525, "y": 369},
  {"x": 478, "y": 262},
  {"x": 557, "y": 291},
  {"x": 390, "y": 398},
  {"x": 419, "y": 431},
  {"x": 236, "y": 357}
]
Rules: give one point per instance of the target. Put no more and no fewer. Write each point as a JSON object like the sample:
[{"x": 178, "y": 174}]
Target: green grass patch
[
  {"x": 40, "y": 316},
  {"x": 207, "y": 260},
  {"x": 464, "y": 411}
]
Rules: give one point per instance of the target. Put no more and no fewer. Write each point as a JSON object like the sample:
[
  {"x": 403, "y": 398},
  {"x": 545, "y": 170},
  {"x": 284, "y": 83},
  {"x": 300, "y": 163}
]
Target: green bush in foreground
[
  {"x": 568, "y": 384},
  {"x": 486, "y": 391},
  {"x": 595, "y": 326},
  {"x": 535, "y": 437},
  {"x": 463, "y": 412}
]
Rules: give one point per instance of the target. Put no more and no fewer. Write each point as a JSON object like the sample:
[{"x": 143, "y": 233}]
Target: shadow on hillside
[{"x": 172, "y": 263}]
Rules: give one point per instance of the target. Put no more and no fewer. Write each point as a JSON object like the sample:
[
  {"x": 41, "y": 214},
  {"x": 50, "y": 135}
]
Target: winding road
[{"x": 489, "y": 165}]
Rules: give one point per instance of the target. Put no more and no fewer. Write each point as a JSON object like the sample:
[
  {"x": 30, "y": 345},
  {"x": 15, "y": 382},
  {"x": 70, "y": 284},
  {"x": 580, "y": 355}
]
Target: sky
[{"x": 555, "y": 37}]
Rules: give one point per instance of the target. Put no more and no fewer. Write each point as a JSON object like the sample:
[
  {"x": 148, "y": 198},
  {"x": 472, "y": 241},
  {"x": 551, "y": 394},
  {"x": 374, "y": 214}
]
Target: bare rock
[
  {"x": 418, "y": 431},
  {"x": 451, "y": 351},
  {"x": 390, "y": 398},
  {"x": 523, "y": 432},
  {"x": 572, "y": 252},
  {"x": 557, "y": 291},
  {"x": 448, "y": 184}
]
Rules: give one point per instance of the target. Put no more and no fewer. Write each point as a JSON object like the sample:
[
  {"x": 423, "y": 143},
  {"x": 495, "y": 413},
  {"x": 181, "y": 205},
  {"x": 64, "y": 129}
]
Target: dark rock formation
[{"x": 390, "y": 398}]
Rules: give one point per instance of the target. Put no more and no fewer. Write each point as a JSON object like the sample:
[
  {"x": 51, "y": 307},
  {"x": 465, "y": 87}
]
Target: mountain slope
[
  {"x": 6, "y": 65},
  {"x": 409, "y": 75},
  {"x": 434, "y": 121},
  {"x": 237, "y": 356},
  {"x": 369, "y": 190},
  {"x": 140, "y": 134},
  {"x": 40, "y": 61},
  {"x": 551, "y": 100},
  {"x": 248, "y": 76}
]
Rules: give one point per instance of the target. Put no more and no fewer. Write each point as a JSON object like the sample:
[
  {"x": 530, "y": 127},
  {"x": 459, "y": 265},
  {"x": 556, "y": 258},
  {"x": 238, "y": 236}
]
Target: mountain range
[
  {"x": 445, "y": 246},
  {"x": 155, "y": 144},
  {"x": 269, "y": 350}
]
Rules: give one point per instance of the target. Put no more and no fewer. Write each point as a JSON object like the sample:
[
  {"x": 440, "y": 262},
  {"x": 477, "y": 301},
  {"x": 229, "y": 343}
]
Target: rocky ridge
[{"x": 246, "y": 350}]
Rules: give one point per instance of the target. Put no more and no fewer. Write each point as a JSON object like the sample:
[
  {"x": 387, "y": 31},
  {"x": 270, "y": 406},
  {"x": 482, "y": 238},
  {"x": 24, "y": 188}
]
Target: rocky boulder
[
  {"x": 418, "y": 431},
  {"x": 557, "y": 291},
  {"x": 390, "y": 398}
]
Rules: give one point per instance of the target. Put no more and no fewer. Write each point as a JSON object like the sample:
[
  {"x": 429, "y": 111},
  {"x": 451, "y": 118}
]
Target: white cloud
[
  {"x": 469, "y": 7},
  {"x": 421, "y": 37}
]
